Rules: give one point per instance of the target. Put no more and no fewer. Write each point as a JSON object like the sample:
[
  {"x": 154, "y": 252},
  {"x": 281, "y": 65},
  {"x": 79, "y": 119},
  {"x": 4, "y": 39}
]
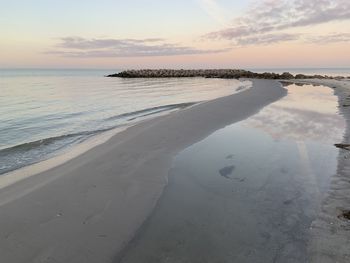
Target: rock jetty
[{"x": 212, "y": 73}]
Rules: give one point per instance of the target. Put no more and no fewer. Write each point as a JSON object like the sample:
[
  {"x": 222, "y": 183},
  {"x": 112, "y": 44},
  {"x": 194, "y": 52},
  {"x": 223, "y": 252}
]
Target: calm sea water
[{"x": 45, "y": 111}]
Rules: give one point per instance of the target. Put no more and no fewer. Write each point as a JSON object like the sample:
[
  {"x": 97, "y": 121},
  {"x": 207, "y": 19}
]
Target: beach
[
  {"x": 89, "y": 208},
  {"x": 175, "y": 131}
]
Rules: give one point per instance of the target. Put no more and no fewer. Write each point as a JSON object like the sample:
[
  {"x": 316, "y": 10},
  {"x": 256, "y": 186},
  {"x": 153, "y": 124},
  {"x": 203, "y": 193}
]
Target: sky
[{"x": 120, "y": 34}]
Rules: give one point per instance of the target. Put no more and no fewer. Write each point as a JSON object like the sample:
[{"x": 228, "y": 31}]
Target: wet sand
[
  {"x": 89, "y": 208},
  {"x": 330, "y": 231},
  {"x": 251, "y": 191}
]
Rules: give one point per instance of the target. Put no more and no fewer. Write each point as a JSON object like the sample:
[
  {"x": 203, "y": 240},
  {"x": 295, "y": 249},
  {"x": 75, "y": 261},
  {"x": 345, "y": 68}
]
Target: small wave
[
  {"x": 150, "y": 111},
  {"x": 28, "y": 146},
  {"x": 44, "y": 142}
]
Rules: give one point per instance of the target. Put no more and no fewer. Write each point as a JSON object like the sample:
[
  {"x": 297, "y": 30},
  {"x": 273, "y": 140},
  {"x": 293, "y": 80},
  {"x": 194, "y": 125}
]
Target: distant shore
[{"x": 214, "y": 73}]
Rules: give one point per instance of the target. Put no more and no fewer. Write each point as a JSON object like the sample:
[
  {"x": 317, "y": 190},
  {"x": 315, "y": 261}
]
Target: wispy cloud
[
  {"x": 213, "y": 9},
  {"x": 273, "y": 38},
  {"x": 266, "y": 39},
  {"x": 83, "y": 47},
  {"x": 267, "y": 17},
  {"x": 83, "y": 43},
  {"x": 331, "y": 38}
]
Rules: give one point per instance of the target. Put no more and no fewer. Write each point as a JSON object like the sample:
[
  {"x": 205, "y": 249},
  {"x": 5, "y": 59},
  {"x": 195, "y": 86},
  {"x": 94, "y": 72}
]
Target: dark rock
[
  {"x": 345, "y": 215},
  {"x": 287, "y": 75},
  {"x": 209, "y": 73},
  {"x": 342, "y": 146},
  {"x": 302, "y": 76}
]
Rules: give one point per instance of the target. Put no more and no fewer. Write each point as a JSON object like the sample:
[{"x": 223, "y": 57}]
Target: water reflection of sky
[
  {"x": 307, "y": 113},
  {"x": 248, "y": 192}
]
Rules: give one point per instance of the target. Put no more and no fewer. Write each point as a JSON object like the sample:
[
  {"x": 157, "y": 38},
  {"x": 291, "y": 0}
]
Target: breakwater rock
[{"x": 212, "y": 73}]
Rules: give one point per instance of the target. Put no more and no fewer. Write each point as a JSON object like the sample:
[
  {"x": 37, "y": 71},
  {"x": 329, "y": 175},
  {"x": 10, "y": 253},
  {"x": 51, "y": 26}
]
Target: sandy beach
[
  {"x": 158, "y": 131},
  {"x": 89, "y": 208}
]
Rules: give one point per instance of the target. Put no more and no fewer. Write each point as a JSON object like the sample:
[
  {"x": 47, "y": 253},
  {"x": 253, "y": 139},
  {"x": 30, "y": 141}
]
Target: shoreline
[
  {"x": 145, "y": 99},
  {"x": 22, "y": 173},
  {"x": 118, "y": 181},
  {"x": 72, "y": 152},
  {"x": 14, "y": 176},
  {"x": 99, "y": 136}
]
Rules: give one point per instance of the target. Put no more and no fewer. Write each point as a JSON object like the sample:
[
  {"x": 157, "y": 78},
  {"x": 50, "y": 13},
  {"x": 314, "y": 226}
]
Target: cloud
[
  {"x": 83, "y": 43},
  {"x": 212, "y": 8},
  {"x": 273, "y": 38},
  {"x": 83, "y": 47},
  {"x": 266, "y": 39},
  {"x": 331, "y": 38},
  {"x": 270, "y": 16}
]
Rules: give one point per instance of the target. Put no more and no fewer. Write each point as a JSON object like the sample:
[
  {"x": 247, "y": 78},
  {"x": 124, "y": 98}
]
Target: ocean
[{"x": 44, "y": 112}]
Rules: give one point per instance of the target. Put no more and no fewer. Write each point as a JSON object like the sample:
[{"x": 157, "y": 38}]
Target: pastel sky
[{"x": 174, "y": 33}]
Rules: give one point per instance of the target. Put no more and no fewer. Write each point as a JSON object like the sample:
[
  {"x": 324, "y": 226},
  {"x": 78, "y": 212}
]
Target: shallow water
[
  {"x": 248, "y": 192},
  {"x": 45, "y": 111}
]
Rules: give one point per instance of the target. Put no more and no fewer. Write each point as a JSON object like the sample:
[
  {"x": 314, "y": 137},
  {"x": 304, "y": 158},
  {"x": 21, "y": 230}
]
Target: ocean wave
[
  {"x": 150, "y": 111},
  {"x": 80, "y": 136},
  {"x": 43, "y": 142}
]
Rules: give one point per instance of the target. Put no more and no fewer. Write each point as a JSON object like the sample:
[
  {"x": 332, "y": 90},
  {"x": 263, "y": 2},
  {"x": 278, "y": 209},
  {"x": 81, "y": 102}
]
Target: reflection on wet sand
[
  {"x": 307, "y": 113},
  {"x": 248, "y": 192}
]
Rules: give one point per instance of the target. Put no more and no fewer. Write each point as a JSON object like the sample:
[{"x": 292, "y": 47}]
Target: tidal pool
[{"x": 248, "y": 192}]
